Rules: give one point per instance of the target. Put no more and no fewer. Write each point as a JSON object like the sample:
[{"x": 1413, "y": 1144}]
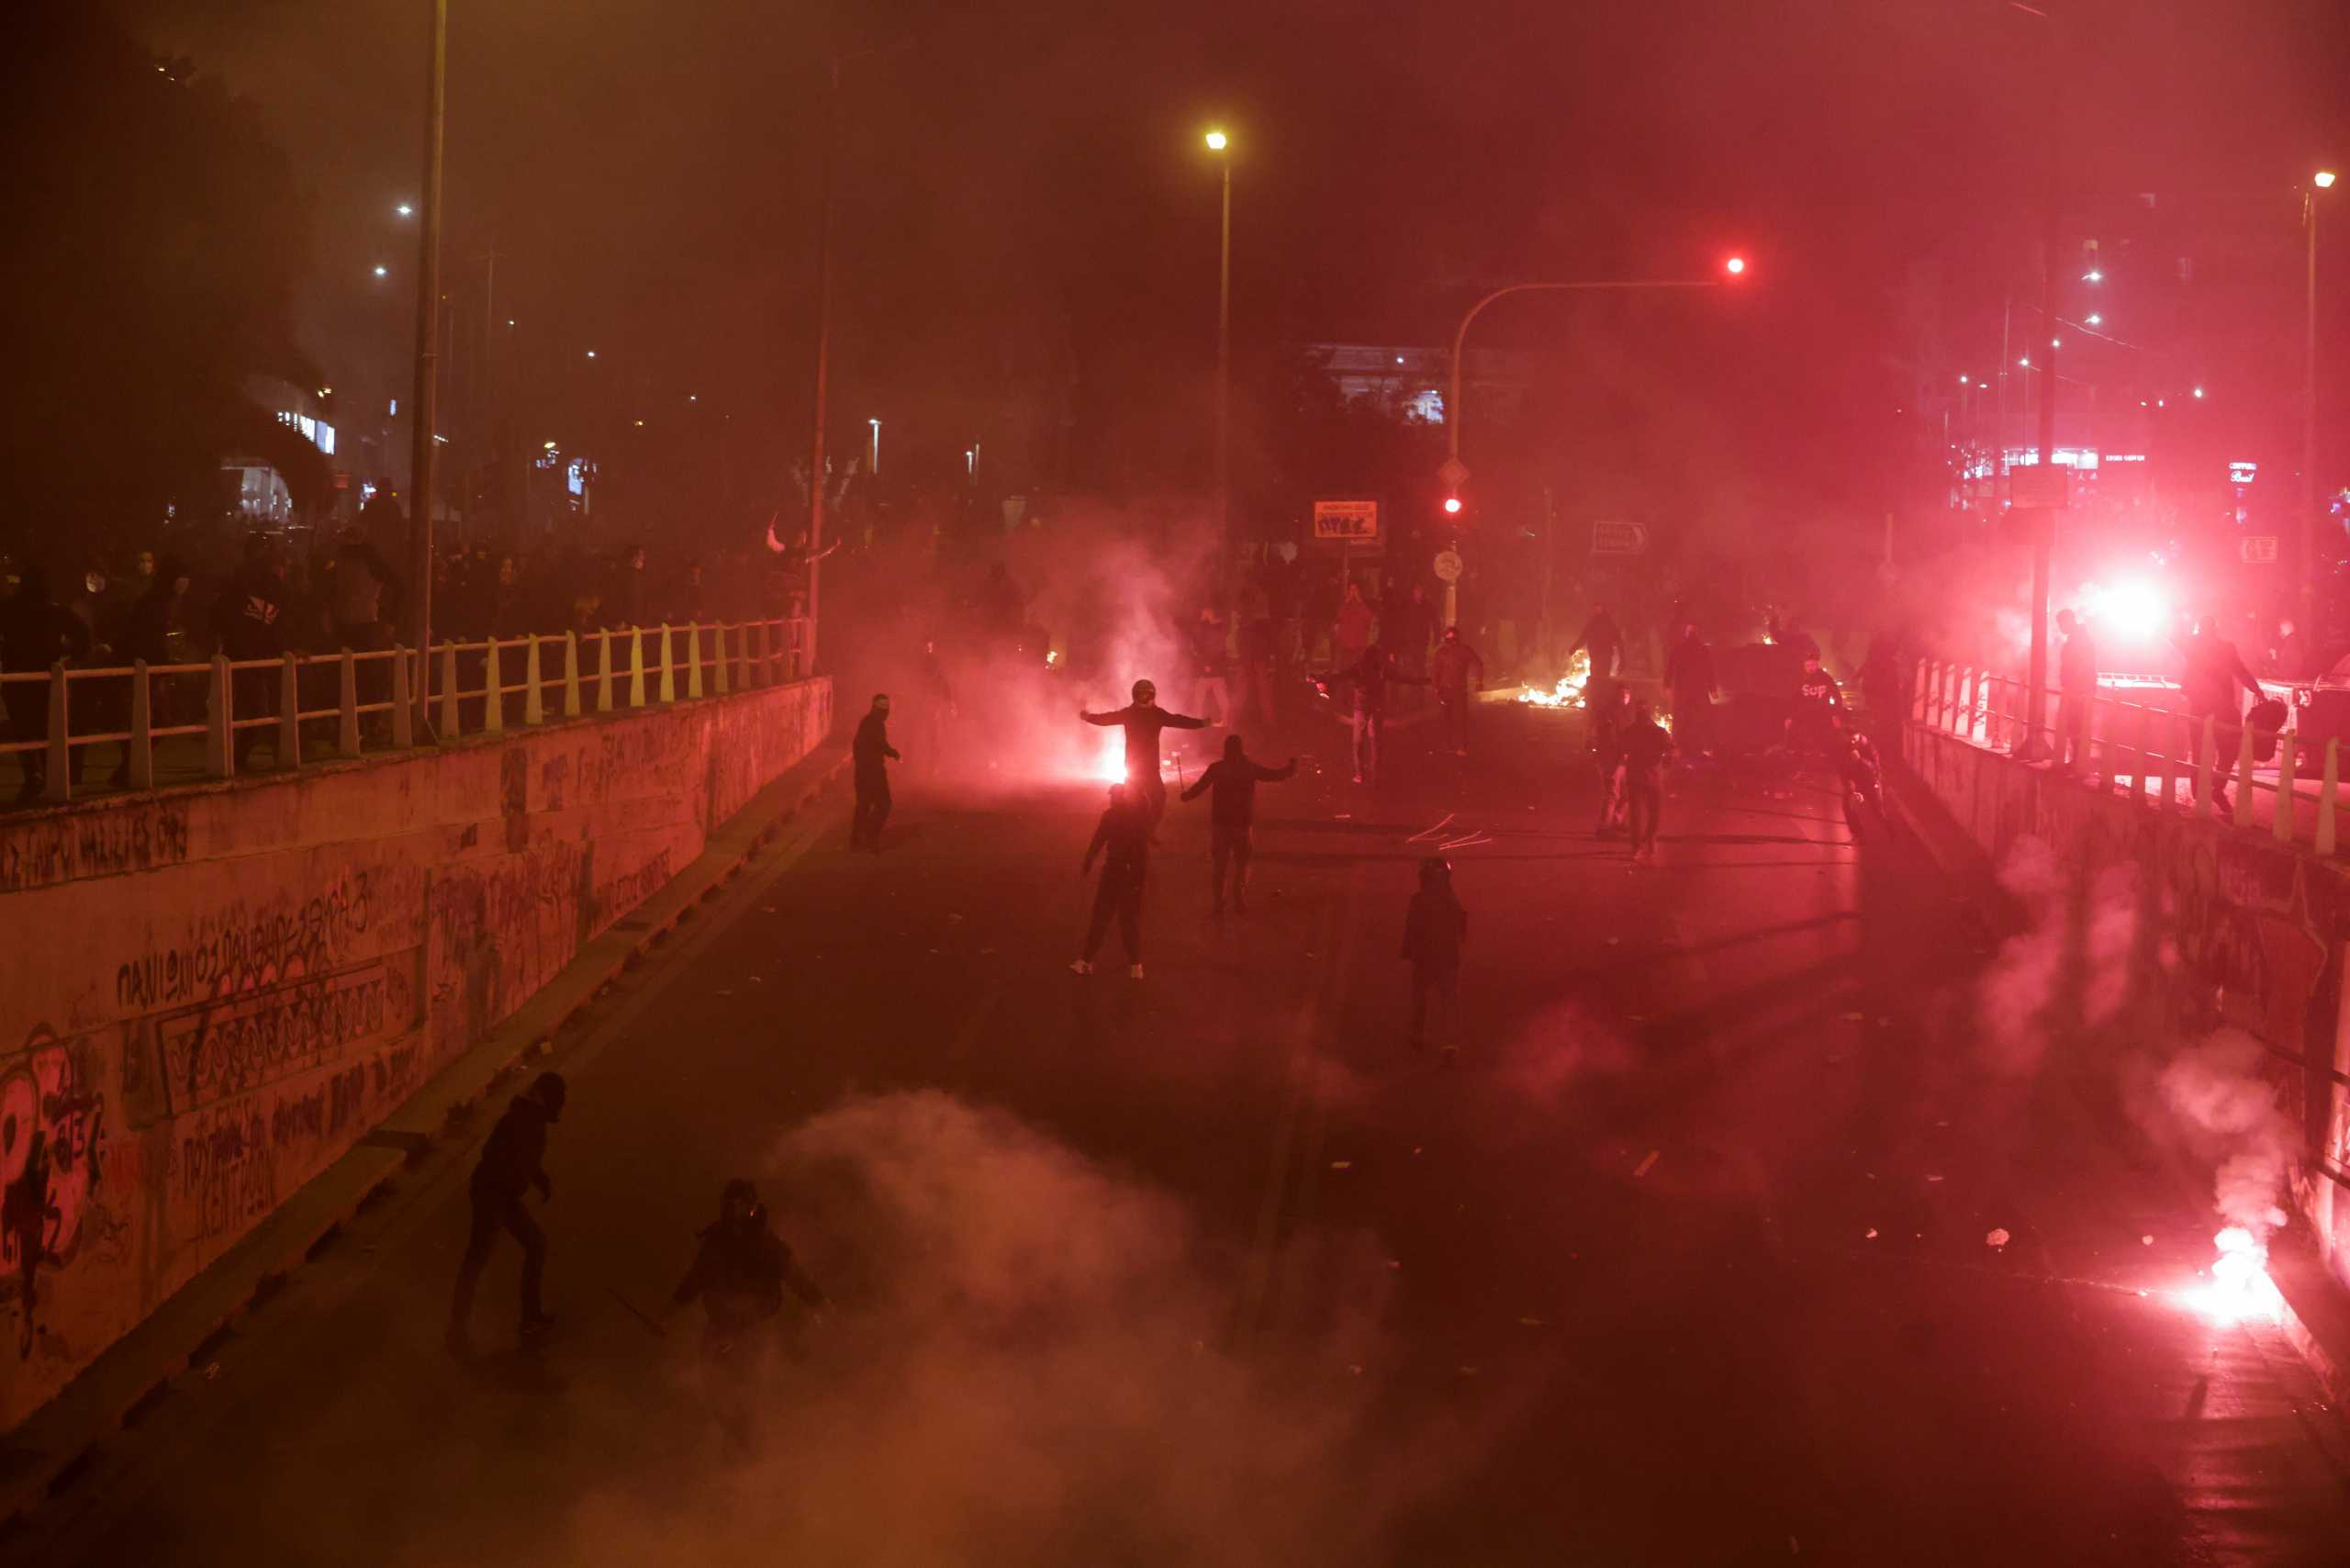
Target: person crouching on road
[
  {"x": 1233, "y": 812},
  {"x": 873, "y": 754},
  {"x": 512, "y": 1162},
  {"x": 739, "y": 1274},
  {"x": 1435, "y": 928},
  {"x": 1122, "y": 840}
]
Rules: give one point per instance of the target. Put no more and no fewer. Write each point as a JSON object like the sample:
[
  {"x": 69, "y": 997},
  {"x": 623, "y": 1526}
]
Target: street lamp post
[
  {"x": 427, "y": 345},
  {"x": 1219, "y": 144},
  {"x": 2312, "y": 562},
  {"x": 875, "y": 468}
]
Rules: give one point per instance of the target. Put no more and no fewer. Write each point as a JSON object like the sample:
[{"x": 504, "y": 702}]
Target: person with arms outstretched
[
  {"x": 1233, "y": 811},
  {"x": 1142, "y": 719}
]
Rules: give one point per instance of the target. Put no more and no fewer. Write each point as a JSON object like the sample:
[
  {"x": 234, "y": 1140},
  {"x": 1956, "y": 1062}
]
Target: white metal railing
[
  {"x": 245, "y": 699},
  {"x": 2147, "y": 750}
]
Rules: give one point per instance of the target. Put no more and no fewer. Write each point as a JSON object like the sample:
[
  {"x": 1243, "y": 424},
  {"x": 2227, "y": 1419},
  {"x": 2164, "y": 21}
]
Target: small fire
[
  {"x": 2240, "y": 1286},
  {"x": 1568, "y": 693}
]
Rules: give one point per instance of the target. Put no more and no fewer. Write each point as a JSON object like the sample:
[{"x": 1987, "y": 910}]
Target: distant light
[
  {"x": 2198, "y": 391},
  {"x": 1216, "y": 141},
  {"x": 2162, "y": 402},
  {"x": 2025, "y": 361},
  {"x": 2324, "y": 179},
  {"x": 2095, "y": 320},
  {"x": 1962, "y": 380},
  {"x": 1399, "y": 359},
  {"x": 405, "y": 210},
  {"x": 550, "y": 446},
  {"x": 1735, "y": 265},
  {"x": 591, "y": 353},
  {"x": 326, "y": 391},
  {"x": 382, "y": 272},
  {"x": 875, "y": 423},
  {"x": 2092, "y": 276},
  {"x": 691, "y": 399},
  {"x": 509, "y": 320},
  {"x": 1452, "y": 505},
  {"x": 640, "y": 424},
  {"x": 2056, "y": 342}
]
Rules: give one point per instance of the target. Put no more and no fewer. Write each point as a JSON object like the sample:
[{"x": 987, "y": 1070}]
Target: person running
[
  {"x": 739, "y": 1272},
  {"x": 1232, "y": 812},
  {"x": 873, "y": 754},
  {"x": 1141, "y": 720},
  {"x": 512, "y": 1162},
  {"x": 1435, "y": 928},
  {"x": 1122, "y": 840},
  {"x": 1647, "y": 747},
  {"x": 1456, "y": 664}
]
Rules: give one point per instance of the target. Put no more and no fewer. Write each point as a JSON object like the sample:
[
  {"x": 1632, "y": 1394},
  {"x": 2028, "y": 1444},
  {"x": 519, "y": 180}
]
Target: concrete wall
[
  {"x": 2232, "y": 928},
  {"x": 210, "y": 995}
]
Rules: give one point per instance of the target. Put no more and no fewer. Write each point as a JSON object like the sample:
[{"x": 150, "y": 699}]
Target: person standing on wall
[
  {"x": 872, "y": 753},
  {"x": 512, "y": 1162}
]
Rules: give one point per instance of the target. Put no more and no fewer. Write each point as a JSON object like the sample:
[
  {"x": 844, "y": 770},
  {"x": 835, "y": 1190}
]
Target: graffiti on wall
[
  {"x": 98, "y": 844},
  {"x": 212, "y": 1052},
  {"x": 241, "y": 950},
  {"x": 53, "y": 1169}
]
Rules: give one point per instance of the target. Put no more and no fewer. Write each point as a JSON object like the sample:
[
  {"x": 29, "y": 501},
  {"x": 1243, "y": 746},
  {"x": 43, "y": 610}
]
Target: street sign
[
  {"x": 1452, "y": 474},
  {"x": 1447, "y": 566},
  {"x": 1620, "y": 539},
  {"x": 2258, "y": 549},
  {"x": 1346, "y": 522},
  {"x": 2047, "y": 486}
]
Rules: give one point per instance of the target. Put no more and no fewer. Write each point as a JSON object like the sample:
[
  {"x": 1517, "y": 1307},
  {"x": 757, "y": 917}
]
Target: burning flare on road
[
  {"x": 2240, "y": 1287},
  {"x": 1568, "y": 693}
]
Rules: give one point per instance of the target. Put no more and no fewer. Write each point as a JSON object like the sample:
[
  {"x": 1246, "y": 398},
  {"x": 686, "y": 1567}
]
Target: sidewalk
[{"x": 44, "y": 1453}]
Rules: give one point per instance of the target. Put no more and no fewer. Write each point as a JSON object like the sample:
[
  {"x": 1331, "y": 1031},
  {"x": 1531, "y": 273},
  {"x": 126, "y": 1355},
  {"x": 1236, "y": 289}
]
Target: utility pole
[
  {"x": 1224, "y": 397},
  {"x": 2312, "y": 562},
  {"x": 428, "y": 368},
  {"x": 824, "y": 346}
]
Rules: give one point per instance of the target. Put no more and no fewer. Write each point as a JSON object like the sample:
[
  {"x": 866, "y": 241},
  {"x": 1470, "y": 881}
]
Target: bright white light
[
  {"x": 382, "y": 272},
  {"x": 1217, "y": 141},
  {"x": 2056, "y": 342},
  {"x": 1735, "y": 265},
  {"x": 2092, "y": 276},
  {"x": 591, "y": 353},
  {"x": 2132, "y": 609},
  {"x": 405, "y": 210},
  {"x": 2324, "y": 178},
  {"x": 2240, "y": 1286},
  {"x": 2198, "y": 391},
  {"x": 2095, "y": 320},
  {"x": 1962, "y": 381},
  {"x": 2025, "y": 361}
]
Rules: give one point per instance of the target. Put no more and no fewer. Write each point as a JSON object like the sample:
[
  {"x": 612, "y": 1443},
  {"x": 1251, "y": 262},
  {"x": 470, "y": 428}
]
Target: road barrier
[{"x": 562, "y": 677}]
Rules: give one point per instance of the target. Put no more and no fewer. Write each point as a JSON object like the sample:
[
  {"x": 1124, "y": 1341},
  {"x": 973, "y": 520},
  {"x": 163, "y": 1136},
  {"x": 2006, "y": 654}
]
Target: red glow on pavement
[{"x": 2240, "y": 1287}]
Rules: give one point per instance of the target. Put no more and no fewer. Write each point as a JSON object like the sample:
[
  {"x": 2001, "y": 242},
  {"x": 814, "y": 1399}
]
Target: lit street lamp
[
  {"x": 876, "y": 447},
  {"x": 2321, "y": 181},
  {"x": 404, "y": 209},
  {"x": 1217, "y": 142}
]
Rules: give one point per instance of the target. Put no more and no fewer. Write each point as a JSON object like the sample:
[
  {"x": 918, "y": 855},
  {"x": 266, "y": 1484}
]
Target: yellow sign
[{"x": 1344, "y": 522}]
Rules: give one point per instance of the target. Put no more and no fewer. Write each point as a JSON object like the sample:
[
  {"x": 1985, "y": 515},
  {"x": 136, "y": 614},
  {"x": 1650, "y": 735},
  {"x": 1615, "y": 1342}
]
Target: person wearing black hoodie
[
  {"x": 873, "y": 754},
  {"x": 36, "y": 632},
  {"x": 1122, "y": 839},
  {"x": 512, "y": 1162},
  {"x": 739, "y": 1272},
  {"x": 1232, "y": 811},
  {"x": 1435, "y": 928}
]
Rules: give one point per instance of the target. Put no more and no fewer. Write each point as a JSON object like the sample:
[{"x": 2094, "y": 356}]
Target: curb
[{"x": 47, "y": 1452}]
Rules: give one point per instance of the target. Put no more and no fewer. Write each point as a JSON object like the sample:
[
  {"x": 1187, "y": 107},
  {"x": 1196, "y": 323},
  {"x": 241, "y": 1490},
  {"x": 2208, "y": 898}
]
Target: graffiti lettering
[
  {"x": 624, "y": 892},
  {"x": 103, "y": 843},
  {"x": 225, "y": 1171},
  {"x": 52, "y": 1164},
  {"x": 210, "y": 1053},
  {"x": 238, "y": 953}
]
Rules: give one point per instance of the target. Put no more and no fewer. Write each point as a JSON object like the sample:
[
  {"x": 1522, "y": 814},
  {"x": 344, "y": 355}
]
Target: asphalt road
[{"x": 1685, "y": 1262}]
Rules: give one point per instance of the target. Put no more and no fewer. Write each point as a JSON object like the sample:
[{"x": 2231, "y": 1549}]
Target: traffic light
[
  {"x": 1452, "y": 506},
  {"x": 1735, "y": 265}
]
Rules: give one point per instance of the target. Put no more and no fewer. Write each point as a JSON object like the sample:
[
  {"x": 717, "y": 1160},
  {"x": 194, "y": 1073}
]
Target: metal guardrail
[
  {"x": 245, "y": 696},
  {"x": 2143, "y": 751}
]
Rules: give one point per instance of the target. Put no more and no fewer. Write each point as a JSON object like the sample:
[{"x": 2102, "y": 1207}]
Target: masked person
[
  {"x": 1819, "y": 708},
  {"x": 1122, "y": 840},
  {"x": 1605, "y": 641},
  {"x": 1455, "y": 666},
  {"x": 1647, "y": 747},
  {"x": 1232, "y": 812},
  {"x": 1609, "y": 720},
  {"x": 1141, "y": 720},
  {"x": 512, "y": 1162},
  {"x": 739, "y": 1274},
  {"x": 1689, "y": 676},
  {"x": 872, "y": 753},
  {"x": 1370, "y": 675},
  {"x": 1435, "y": 928}
]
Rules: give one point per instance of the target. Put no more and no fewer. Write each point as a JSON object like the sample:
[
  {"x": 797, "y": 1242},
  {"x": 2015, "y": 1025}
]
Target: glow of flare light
[
  {"x": 1568, "y": 693},
  {"x": 2240, "y": 1286}
]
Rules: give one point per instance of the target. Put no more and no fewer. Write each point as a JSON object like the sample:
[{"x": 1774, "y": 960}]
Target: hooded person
[
  {"x": 1232, "y": 812},
  {"x": 1371, "y": 673},
  {"x": 1142, "y": 718},
  {"x": 1455, "y": 665},
  {"x": 512, "y": 1162},
  {"x": 1646, "y": 747},
  {"x": 1435, "y": 929},
  {"x": 872, "y": 753},
  {"x": 1122, "y": 840},
  {"x": 739, "y": 1272}
]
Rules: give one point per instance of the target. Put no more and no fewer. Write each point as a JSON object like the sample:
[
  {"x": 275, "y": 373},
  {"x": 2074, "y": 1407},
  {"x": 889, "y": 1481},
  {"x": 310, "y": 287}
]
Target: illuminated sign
[
  {"x": 2243, "y": 473},
  {"x": 1346, "y": 522}
]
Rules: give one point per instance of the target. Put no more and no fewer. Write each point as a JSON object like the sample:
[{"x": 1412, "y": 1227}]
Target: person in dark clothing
[
  {"x": 1370, "y": 675},
  {"x": 361, "y": 600},
  {"x": 938, "y": 705},
  {"x": 1141, "y": 720},
  {"x": 512, "y": 1162},
  {"x": 1456, "y": 664},
  {"x": 1689, "y": 676},
  {"x": 1647, "y": 748},
  {"x": 1231, "y": 815},
  {"x": 1609, "y": 720},
  {"x": 1863, "y": 773},
  {"x": 1209, "y": 661},
  {"x": 2214, "y": 671},
  {"x": 872, "y": 753},
  {"x": 36, "y": 632},
  {"x": 248, "y": 624},
  {"x": 1122, "y": 840},
  {"x": 739, "y": 1272},
  {"x": 1435, "y": 929},
  {"x": 1605, "y": 639},
  {"x": 628, "y": 603},
  {"x": 2077, "y": 685},
  {"x": 1819, "y": 710}
]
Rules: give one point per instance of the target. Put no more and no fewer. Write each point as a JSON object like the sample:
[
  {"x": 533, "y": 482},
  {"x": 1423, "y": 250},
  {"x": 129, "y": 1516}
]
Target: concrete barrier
[
  {"x": 2232, "y": 927},
  {"x": 212, "y": 994}
]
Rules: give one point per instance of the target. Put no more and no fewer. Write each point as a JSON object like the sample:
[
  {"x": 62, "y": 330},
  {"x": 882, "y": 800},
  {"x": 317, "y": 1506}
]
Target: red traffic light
[
  {"x": 1452, "y": 506},
  {"x": 1735, "y": 265}
]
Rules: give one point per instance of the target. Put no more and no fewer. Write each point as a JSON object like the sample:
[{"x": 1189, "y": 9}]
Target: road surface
[{"x": 1685, "y": 1262}]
